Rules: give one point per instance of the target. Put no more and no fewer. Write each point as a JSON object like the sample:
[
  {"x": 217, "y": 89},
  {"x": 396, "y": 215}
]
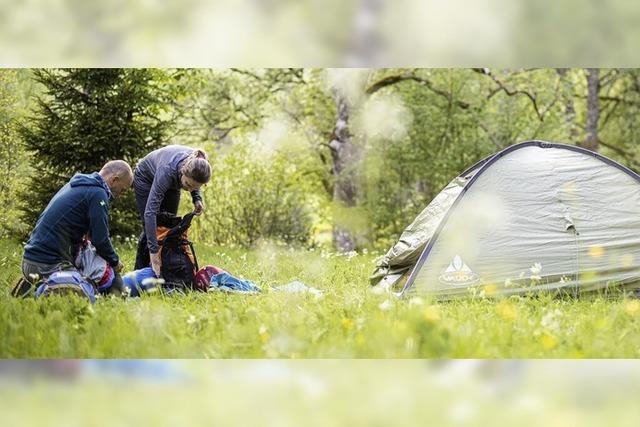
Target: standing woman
[{"x": 157, "y": 182}]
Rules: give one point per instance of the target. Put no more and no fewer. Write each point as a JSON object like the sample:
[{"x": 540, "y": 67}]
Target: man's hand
[
  {"x": 156, "y": 263},
  {"x": 198, "y": 208},
  {"x": 119, "y": 267}
]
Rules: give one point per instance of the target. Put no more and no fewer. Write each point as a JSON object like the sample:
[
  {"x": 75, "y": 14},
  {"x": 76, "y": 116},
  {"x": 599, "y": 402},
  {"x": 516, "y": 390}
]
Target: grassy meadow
[{"x": 347, "y": 321}]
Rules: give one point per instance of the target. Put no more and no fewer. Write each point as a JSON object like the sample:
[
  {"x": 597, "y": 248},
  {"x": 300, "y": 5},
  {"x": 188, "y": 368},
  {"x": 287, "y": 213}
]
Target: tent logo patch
[{"x": 458, "y": 274}]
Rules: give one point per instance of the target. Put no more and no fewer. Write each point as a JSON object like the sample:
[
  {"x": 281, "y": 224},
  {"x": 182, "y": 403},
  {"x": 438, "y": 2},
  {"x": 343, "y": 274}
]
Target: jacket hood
[{"x": 90, "y": 180}]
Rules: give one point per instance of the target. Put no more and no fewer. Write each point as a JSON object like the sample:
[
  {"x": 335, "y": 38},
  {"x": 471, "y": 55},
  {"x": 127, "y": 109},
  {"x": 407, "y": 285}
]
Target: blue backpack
[{"x": 65, "y": 282}]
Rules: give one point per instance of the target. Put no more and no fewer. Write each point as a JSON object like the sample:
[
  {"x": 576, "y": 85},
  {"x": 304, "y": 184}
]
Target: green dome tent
[{"x": 534, "y": 216}]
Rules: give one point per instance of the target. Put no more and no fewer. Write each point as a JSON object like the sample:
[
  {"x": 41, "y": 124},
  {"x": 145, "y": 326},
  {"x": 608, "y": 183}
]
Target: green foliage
[
  {"x": 222, "y": 104},
  {"x": 620, "y": 117},
  {"x": 458, "y": 118},
  {"x": 13, "y": 159},
  {"x": 450, "y": 119},
  {"x": 255, "y": 196},
  {"x": 86, "y": 118}
]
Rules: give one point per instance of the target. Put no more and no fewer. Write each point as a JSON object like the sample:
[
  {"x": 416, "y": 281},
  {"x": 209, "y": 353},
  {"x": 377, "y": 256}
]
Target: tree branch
[
  {"x": 490, "y": 135},
  {"x": 609, "y": 78},
  {"x": 391, "y": 80},
  {"x": 626, "y": 154},
  {"x": 246, "y": 73},
  {"x": 609, "y": 113},
  {"x": 617, "y": 99},
  {"x": 511, "y": 92}
]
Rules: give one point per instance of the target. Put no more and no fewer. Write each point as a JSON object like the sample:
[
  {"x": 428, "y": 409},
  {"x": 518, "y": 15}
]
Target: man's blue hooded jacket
[{"x": 81, "y": 207}]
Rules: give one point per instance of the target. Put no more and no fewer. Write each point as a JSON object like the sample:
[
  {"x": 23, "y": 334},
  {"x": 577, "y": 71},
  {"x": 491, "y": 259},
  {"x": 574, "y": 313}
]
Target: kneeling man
[{"x": 80, "y": 209}]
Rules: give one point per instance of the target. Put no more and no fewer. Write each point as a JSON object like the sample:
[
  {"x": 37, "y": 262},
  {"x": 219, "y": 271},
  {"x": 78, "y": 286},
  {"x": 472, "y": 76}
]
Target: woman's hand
[
  {"x": 156, "y": 263},
  {"x": 198, "y": 208}
]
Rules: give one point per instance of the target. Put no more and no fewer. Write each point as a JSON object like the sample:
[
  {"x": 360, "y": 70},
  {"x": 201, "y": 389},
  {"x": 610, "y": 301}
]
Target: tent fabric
[
  {"x": 536, "y": 216},
  {"x": 401, "y": 258}
]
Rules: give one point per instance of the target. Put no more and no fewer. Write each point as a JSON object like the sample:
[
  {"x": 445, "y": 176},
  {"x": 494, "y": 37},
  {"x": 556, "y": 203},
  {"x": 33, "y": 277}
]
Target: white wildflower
[
  {"x": 410, "y": 344},
  {"x": 416, "y": 302},
  {"x": 536, "y": 268},
  {"x": 386, "y": 305},
  {"x": 379, "y": 290},
  {"x": 551, "y": 320}
]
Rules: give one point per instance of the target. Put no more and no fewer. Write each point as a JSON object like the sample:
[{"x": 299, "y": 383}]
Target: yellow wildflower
[
  {"x": 632, "y": 307},
  {"x": 490, "y": 290},
  {"x": 507, "y": 311},
  {"x": 347, "y": 323},
  {"x": 432, "y": 314},
  {"x": 596, "y": 251},
  {"x": 548, "y": 341}
]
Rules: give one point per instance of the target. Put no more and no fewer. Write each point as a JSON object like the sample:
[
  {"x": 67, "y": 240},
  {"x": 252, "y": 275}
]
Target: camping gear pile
[
  {"x": 536, "y": 216},
  {"x": 179, "y": 273},
  {"x": 207, "y": 279},
  {"x": 93, "y": 276}
]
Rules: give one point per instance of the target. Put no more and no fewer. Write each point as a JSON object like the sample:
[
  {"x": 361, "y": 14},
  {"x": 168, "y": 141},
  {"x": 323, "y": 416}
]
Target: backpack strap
[
  {"x": 22, "y": 288},
  {"x": 193, "y": 252}
]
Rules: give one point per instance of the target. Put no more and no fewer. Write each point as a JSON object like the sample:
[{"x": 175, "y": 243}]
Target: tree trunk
[
  {"x": 363, "y": 50},
  {"x": 344, "y": 158},
  {"x": 569, "y": 108},
  {"x": 593, "y": 109}
]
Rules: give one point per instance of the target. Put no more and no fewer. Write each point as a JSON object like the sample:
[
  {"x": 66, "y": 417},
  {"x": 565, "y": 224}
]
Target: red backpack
[{"x": 203, "y": 277}]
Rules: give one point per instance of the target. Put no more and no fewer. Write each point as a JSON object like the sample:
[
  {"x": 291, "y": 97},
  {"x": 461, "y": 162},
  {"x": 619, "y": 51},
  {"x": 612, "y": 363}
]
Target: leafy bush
[{"x": 251, "y": 198}]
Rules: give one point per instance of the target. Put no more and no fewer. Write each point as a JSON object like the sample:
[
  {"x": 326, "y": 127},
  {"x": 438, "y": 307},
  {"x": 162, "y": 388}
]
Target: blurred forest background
[{"x": 342, "y": 157}]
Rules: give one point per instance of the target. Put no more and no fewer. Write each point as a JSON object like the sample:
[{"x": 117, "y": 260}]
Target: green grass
[{"x": 349, "y": 321}]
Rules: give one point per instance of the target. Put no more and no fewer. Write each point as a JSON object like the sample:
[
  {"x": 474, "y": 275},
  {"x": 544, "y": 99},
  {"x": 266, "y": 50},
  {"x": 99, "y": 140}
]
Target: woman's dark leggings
[{"x": 169, "y": 204}]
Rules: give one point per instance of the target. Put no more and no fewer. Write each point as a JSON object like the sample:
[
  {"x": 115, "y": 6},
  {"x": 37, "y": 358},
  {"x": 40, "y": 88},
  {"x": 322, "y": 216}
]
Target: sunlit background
[
  {"x": 319, "y": 33},
  {"x": 277, "y": 393},
  {"x": 171, "y": 33}
]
